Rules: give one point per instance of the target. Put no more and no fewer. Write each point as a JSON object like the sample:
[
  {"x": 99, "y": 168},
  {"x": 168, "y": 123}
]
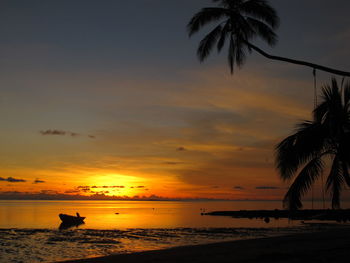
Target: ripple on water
[{"x": 43, "y": 245}]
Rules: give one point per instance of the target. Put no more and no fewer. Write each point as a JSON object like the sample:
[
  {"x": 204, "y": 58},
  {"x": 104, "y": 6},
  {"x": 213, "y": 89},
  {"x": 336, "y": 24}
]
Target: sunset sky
[{"x": 108, "y": 97}]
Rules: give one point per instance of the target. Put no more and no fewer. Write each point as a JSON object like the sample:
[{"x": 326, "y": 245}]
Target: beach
[{"x": 331, "y": 245}]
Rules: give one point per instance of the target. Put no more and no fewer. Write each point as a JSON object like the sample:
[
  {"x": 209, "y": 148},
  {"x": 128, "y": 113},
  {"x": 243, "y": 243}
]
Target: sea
[{"x": 31, "y": 231}]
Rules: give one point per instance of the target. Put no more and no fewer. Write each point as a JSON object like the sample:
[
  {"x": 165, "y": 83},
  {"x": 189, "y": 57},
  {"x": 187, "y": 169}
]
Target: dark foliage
[{"x": 302, "y": 156}]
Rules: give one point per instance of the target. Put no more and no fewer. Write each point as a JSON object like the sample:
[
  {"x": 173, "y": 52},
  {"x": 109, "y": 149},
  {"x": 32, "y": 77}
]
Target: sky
[{"x": 108, "y": 98}]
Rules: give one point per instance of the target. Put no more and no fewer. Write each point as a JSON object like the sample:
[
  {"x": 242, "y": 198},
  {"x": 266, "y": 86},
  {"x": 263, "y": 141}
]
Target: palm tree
[
  {"x": 325, "y": 139},
  {"x": 239, "y": 22}
]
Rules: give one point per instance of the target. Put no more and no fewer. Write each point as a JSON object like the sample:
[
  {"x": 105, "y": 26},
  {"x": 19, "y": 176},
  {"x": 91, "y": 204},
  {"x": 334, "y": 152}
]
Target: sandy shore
[{"x": 327, "y": 246}]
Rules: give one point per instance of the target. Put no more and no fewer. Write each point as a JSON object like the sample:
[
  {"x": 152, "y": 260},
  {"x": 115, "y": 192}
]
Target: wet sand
[{"x": 326, "y": 246}]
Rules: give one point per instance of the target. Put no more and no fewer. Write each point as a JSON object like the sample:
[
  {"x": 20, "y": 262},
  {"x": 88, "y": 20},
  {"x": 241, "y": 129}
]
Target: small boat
[{"x": 71, "y": 220}]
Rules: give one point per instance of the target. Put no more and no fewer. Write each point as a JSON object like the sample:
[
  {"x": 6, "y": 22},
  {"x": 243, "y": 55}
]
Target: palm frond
[
  {"x": 263, "y": 31},
  {"x": 344, "y": 148},
  {"x": 331, "y": 107},
  {"x": 203, "y": 17},
  {"x": 308, "y": 141},
  {"x": 231, "y": 54},
  {"x": 262, "y": 10},
  {"x": 345, "y": 173},
  {"x": 334, "y": 182},
  {"x": 243, "y": 29},
  {"x": 208, "y": 42},
  {"x": 224, "y": 34},
  {"x": 347, "y": 98},
  {"x": 320, "y": 112},
  {"x": 240, "y": 57},
  {"x": 302, "y": 183},
  {"x": 328, "y": 134},
  {"x": 286, "y": 162},
  {"x": 221, "y": 2},
  {"x": 245, "y": 20}
]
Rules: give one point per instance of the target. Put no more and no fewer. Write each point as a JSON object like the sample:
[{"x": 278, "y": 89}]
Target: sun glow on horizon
[{"x": 113, "y": 184}]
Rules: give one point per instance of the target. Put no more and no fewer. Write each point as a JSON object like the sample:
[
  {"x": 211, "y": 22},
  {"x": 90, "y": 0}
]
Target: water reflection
[
  {"x": 131, "y": 214},
  {"x": 65, "y": 226}
]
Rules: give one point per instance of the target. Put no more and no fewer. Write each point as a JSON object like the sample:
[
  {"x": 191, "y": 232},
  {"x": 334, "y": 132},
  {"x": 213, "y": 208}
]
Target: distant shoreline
[
  {"x": 81, "y": 198},
  {"x": 339, "y": 215},
  {"x": 324, "y": 246},
  {"x": 66, "y": 197}
]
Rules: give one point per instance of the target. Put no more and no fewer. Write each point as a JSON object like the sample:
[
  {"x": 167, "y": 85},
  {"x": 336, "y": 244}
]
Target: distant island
[{"x": 14, "y": 195}]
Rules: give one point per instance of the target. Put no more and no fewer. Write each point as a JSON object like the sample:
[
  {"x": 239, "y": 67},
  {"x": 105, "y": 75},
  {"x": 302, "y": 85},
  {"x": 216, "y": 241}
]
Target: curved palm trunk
[{"x": 298, "y": 62}]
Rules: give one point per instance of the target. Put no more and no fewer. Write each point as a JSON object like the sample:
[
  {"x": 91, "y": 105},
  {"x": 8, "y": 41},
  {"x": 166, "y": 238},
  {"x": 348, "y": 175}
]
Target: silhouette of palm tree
[
  {"x": 304, "y": 154},
  {"x": 241, "y": 21}
]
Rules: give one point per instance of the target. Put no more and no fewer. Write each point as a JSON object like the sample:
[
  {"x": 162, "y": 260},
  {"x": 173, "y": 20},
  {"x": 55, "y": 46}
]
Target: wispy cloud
[
  {"x": 49, "y": 192},
  {"x": 53, "y": 132},
  {"x": 72, "y": 192},
  {"x": 12, "y": 180},
  {"x": 172, "y": 163},
  {"x": 267, "y": 188},
  {"x": 64, "y": 133},
  {"x": 38, "y": 181},
  {"x": 108, "y": 186},
  {"x": 84, "y": 188},
  {"x": 87, "y": 188},
  {"x": 238, "y": 187},
  {"x": 181, "y": 149}
]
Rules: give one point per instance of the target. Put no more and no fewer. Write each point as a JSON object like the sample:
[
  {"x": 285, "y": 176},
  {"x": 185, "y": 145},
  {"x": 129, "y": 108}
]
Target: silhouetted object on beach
[
  {"x": 303, "y": 155},
  {"x": 239, "y": 22},
  {"x": 71, "y": 220},
  {"x": 267, "y": 220}
]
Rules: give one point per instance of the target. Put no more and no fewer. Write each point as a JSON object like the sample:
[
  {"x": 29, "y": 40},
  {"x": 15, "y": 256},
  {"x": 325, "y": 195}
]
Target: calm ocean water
[
  {"x": 131, "y": 214},
  {"x": 29, "y": 230}
]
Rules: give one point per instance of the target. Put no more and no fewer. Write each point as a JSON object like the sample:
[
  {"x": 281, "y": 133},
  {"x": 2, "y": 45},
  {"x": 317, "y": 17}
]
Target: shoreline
[
  {"x": 340, "y": 215},
  {"x": 331, "y": 245}
]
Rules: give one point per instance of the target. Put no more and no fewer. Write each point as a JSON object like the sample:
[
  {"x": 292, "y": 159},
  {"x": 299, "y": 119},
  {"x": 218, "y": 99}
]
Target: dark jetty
[{"x": 341, "y": 215}]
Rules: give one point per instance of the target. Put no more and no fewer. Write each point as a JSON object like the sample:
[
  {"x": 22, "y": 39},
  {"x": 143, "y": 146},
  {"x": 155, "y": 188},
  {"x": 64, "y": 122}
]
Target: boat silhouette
[{"x": 69, "y": 221}]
